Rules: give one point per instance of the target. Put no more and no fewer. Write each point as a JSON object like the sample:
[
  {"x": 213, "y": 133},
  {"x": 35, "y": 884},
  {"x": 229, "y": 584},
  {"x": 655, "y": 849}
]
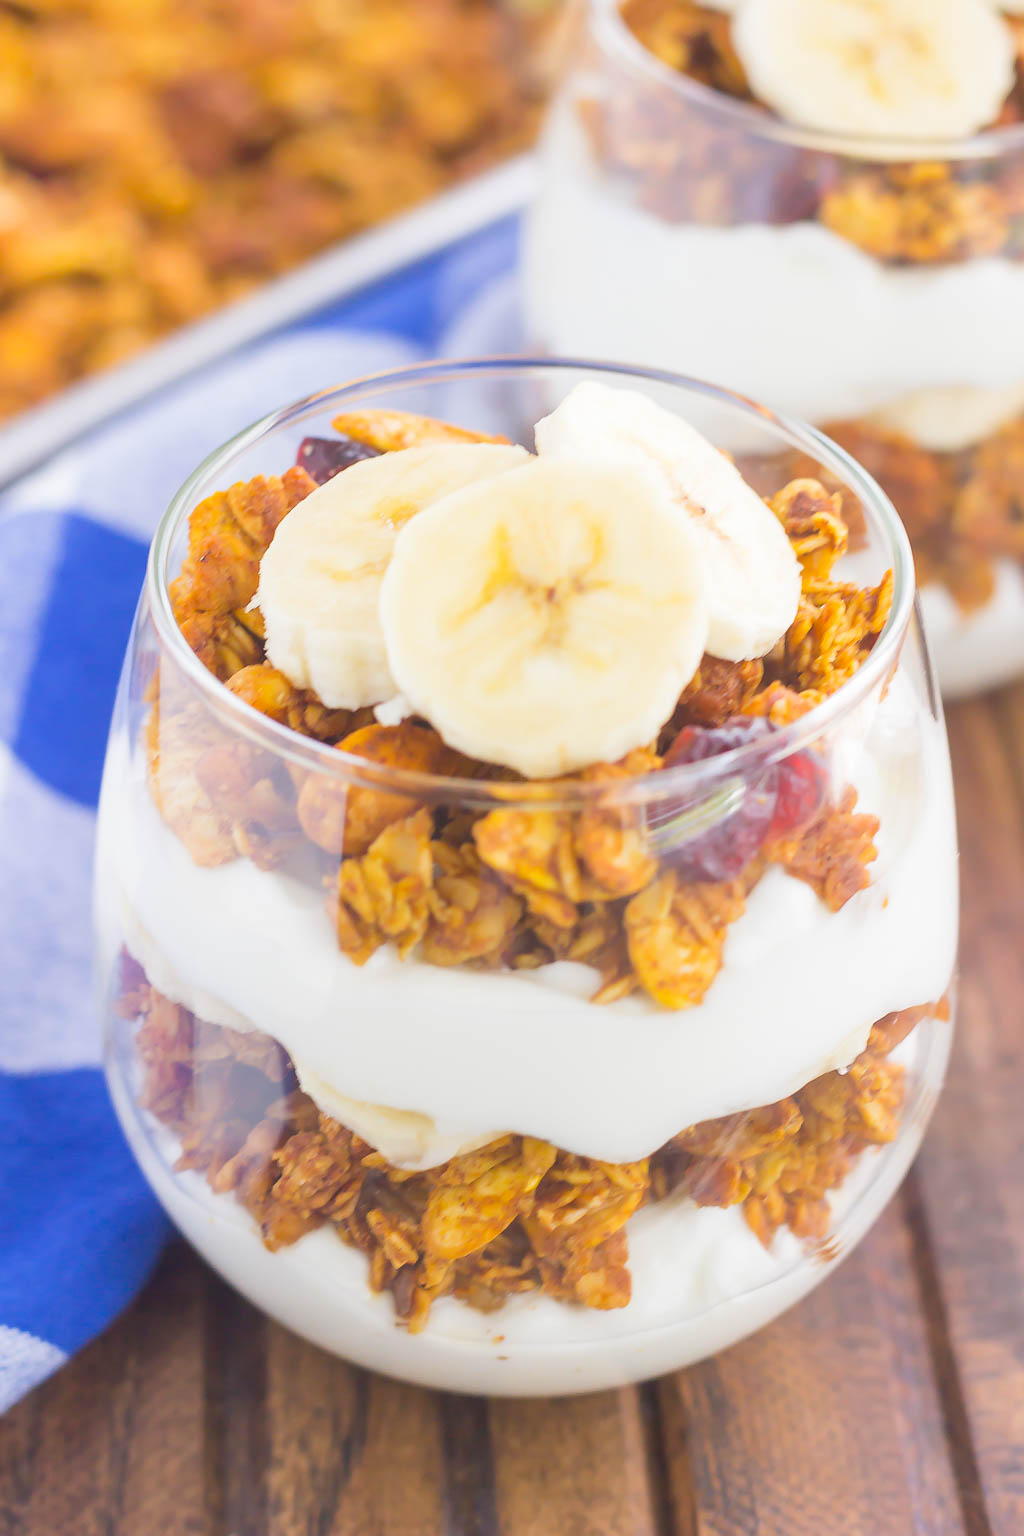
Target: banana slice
[
  {"x": 320, "y": 579},
  {"x": 752, "y": 577},
  {"x": 945, "y": 419},
  {"x": 918, "y": 69},
  {"x": 546, "y": 619}
]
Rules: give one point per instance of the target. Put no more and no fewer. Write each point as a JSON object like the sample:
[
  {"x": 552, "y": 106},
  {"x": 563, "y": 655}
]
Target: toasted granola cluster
[
  {"x": 229, "y": 534},
  {"x": 689, "y": 166},
  {"x": 517, "y": 1214},
  {"x": 522, "y": 886},
  {"x": 159, "y": 162},
  {"x": 963, "y": 511}
]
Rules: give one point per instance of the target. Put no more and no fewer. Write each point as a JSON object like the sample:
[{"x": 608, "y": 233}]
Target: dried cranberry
[
  {"x": 802, "y": 787},
  {"x": 727, "y": 847},
  {"x": 696, "y": 743},
  {"x": 325, "y": 457}
]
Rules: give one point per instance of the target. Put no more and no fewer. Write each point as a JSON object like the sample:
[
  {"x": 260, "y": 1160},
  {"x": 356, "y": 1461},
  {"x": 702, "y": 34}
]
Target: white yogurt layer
[
  {"x": 982, "y": 648},
  {"x": 483, "y": 1052},
  {"x": 793, "y": 315},
  {"x": 701, "y": 1280}
]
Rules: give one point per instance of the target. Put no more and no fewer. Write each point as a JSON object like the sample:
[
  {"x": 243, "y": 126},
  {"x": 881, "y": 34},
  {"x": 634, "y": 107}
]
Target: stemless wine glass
[
  {"x": 617, "y": 1186},
  {"x": 875, "y": 289}
]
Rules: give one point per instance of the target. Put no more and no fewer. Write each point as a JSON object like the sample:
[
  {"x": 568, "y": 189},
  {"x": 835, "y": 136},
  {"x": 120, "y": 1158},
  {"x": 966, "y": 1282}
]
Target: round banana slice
[
  {"x": 915, "y": 69},
  {"x": 320, "y": 579},
  {"x": 547, "y": 619},
  {"x": 752, "y": 577}
]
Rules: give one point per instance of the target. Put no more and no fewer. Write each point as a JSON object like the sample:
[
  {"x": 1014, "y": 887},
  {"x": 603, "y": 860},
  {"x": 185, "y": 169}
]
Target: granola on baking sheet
[{"x": 157, "y": 166}]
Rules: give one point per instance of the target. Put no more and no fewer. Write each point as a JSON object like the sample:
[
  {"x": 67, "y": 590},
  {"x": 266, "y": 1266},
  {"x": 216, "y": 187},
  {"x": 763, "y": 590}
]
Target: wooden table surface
[{"x": 890, "y": 1403}]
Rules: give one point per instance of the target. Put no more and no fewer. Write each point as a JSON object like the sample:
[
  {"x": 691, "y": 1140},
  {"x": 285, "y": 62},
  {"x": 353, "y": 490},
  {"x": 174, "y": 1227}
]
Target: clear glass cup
[
  {"x": 705, "y": 1124},
  {"x": 875, "y": 289}
]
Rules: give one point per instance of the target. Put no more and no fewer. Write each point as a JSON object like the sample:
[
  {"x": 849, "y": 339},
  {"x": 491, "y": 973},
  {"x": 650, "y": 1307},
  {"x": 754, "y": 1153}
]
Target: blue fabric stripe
[
  {"x": 29, "y": 552},
  {"x": 431, "y": 292},
  {"x": 81, "y": 636},
  {"x": 79, "y": 1228}
]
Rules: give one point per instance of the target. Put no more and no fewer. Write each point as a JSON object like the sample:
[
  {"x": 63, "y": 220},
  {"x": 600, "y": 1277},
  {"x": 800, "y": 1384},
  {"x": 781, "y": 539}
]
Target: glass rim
[
  {"x": 615, "y": 37},
  {"x": 553, "y": 794}
]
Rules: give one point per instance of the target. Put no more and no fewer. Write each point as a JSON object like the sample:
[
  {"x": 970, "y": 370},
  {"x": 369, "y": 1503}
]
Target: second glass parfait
[
  {"x": 498, "y": 1081},
  {"x": 874, "y": 288}
]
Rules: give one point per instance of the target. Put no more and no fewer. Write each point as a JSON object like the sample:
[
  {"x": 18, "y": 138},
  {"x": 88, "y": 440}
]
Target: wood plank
[
  {"x": 827, "y": 1421},
  {"x": 469, "y": 1495},
  {"x": 573, "y": 1466},
  {"x": 972, "y": 1192},
  {"x": 236, "y": 1387},
  {"x": 1007, "y": 708},
  {"x": 349, "y": 1453},
  {"x": 113, "y": 1444}
]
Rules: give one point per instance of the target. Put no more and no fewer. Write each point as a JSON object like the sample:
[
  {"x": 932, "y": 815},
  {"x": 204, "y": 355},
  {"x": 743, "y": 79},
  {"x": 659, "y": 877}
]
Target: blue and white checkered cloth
[{"x": 79, "y": 1230}]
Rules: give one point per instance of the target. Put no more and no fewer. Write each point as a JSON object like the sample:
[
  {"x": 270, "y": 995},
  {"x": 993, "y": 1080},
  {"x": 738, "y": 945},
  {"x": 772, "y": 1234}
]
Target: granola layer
[
  {"x": 515, "y": 888},
  {"x": 911, "y": 212},
  {"x": 963, "y": 511},
  {"x": 513, "y": 1216}
]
